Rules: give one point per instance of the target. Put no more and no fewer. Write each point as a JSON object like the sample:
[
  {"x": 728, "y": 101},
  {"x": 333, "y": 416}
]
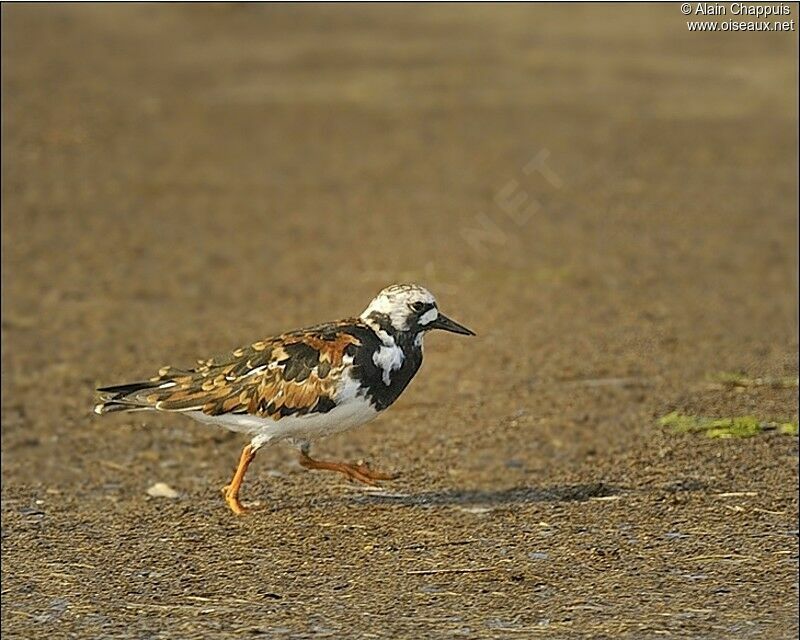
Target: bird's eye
[{"x": 418, "y": 306}]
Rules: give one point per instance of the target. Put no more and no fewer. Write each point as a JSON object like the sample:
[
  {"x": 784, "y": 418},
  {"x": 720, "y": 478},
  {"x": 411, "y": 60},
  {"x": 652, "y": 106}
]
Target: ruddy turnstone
[{"x": 302, "y": 385}]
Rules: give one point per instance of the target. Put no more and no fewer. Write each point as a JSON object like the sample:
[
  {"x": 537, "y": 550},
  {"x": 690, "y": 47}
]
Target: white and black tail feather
[{"x": 125, "y": 397}]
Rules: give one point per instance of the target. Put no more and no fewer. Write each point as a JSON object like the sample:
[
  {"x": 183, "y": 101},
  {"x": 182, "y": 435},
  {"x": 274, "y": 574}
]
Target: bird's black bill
[{"x": 445, "y": 323}]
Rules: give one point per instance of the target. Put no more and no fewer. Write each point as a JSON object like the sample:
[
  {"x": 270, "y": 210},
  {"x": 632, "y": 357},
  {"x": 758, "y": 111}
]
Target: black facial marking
[{"x": 420, "y": 309}]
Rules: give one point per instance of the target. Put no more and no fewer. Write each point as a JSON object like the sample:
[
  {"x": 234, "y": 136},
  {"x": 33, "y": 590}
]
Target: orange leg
[
  {"x": 360, "y": 471},
  {"x": 232, "y": 490}
]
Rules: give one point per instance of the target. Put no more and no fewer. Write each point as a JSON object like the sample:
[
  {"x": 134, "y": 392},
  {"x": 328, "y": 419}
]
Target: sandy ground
[{"x": 607, "y": 199}]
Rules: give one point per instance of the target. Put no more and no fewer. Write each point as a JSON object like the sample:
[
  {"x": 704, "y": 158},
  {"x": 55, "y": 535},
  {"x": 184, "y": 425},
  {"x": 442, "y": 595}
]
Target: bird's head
[{"x": 409, "y": 309}]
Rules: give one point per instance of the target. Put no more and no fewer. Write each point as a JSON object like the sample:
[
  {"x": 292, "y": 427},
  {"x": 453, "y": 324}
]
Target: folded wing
[{"x": 293, "y": 374}]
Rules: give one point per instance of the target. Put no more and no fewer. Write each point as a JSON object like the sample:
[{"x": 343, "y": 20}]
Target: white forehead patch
[{"x": 429, "y": 316}]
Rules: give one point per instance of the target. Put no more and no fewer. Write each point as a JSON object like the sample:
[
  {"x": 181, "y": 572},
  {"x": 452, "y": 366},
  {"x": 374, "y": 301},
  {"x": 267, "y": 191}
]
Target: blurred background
[{"x": 607, "y": 199}]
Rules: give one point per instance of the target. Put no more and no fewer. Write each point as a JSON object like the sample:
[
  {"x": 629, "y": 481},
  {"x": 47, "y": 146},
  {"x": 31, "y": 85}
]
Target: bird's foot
[
  {"x": 235, "y": 505},
  {"x": 359, "y": 471},
  {"x": 363, "y": 468}
]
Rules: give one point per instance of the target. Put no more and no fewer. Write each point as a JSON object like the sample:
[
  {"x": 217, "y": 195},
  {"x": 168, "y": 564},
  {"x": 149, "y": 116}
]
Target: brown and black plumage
[
  {"x": 301, "y": 385},
  {"x": 292, "y": 374}
]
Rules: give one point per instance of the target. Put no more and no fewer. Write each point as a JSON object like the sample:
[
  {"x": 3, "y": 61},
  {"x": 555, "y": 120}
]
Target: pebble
[
  {"x": 477, "y": 510},
  {"x": 162, "y": 490}
]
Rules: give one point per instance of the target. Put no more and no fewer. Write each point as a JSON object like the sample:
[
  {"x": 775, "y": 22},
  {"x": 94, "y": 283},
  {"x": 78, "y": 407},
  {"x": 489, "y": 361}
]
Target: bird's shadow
[{"x": 477, "y": 497}]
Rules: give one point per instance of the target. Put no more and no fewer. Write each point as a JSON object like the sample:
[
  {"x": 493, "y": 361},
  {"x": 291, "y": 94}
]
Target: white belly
[{"x": 351, "y": 411}]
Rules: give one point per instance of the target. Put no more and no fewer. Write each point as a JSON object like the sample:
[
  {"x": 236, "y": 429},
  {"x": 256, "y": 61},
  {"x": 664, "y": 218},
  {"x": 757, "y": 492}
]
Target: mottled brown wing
[{"x": 292, "y": 374}]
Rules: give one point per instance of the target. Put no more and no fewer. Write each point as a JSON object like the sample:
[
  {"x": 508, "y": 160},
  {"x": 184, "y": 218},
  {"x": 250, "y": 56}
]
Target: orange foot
[
  {"x": 362, "y": 467},
  {"x": 231, "y": 491},
  {"x": 359, "y": 471},
  {"x": 232, "y": 499}
]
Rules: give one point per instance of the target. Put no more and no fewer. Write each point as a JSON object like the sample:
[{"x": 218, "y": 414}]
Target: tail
[{"x": 125, "y": 397}]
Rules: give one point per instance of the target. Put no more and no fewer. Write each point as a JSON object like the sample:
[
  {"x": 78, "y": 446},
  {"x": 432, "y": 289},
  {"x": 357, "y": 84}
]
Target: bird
[{"x": 302, "y": 385}]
